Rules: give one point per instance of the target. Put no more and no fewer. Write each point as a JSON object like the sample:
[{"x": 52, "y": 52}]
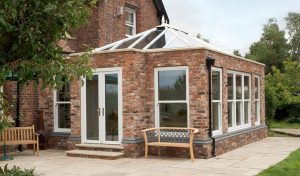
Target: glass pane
[
  {"x": 147, "y": 39},
  {"x": 130, "y": 30},
  {"x": 216, "y": 82},
  {"x": 64, "y": 93},
  {"x": 216, "y": 114},
  {"x": 92, "y": 104},
  {"x": 230, "y": 86},
  {"x": 257, "y": 111},
  {"x": 162, "y": 41},
  {"x": 173, "y": 114},
  {"x": 246, "y": 112},
  {"x": 129, "y": 17},
  {"x": 238, "y": 81},
  {"x": 238, "y": 113},
  {"x": 246, "y": 87},
  {"x": 230, "y": 113},
  {"x": 64, "y": 118},
  {"x": 176, "y": 43},
  {"x": 111, "y": 107},
  {"x": 172, "y": 85},
  {"x": 129, "y": 42},
  {"x": 256, "y": 88}
]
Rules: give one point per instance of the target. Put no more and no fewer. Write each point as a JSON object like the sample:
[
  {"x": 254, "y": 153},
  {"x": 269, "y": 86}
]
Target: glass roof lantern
[{"x": 163, "y": 36}]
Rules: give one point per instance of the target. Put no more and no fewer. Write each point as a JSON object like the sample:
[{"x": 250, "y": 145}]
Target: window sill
[
  {"x": 237, "y": 128},
  {"x": 216, "y": 132},
  {"x": 62, "y": 131}
]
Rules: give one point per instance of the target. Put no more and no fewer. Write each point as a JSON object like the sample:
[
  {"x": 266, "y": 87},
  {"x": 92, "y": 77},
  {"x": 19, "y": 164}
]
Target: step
[
  {"x": 95, "y": 154},
  {"x": 100, "y": 147}
]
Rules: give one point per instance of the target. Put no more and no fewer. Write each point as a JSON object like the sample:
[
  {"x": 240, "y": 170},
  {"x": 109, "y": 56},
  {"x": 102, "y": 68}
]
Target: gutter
[{"x": 209, "y": 63}]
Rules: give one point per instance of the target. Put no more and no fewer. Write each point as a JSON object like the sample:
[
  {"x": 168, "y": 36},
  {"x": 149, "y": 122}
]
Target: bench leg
[
  {"x": 192, "y": 153},
  {"x": 34, "y": 150},
  {"x": 146, "y": 151},
  {"x": 37, "y": 149}
]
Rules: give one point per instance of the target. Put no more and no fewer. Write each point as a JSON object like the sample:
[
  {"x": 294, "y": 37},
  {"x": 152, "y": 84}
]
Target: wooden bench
[
  {"x": 170, "y": 137},
  {"x": 20, "y": 135}
]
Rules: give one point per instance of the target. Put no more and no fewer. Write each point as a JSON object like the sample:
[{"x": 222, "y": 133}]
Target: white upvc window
[
  {"x": 217, "y": 100},
  {"x": 257, "y": 100},
  {"x": 1, "y": 100},
  {"x": 171, "y": 97},
  {"x": 130, "y": 21},
  {"x": 239, "y": 91},
  {"x": 62, "y": 115}
]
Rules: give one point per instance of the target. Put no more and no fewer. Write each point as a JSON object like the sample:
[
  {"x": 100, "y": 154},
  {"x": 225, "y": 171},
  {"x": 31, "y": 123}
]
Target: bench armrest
[{"x": 36, "y": 134}]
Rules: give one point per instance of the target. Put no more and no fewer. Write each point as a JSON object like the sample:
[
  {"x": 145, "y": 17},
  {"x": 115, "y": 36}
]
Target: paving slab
[{"x": 245, "y": 161}]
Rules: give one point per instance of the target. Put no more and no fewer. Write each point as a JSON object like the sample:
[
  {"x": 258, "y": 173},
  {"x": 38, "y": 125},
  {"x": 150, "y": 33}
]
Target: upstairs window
[
  {"x": 130, "y": 21},
  {"x": 62, "y": 115}
]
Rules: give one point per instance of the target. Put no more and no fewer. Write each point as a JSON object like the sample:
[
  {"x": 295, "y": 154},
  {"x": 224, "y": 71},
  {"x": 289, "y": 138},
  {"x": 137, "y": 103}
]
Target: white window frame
[
  {"x": 220, "y": 112},
  {"x": 55, "y": 110},
  {"x": 1, "y": 110},
  {"x": 257, "y": 100},
  {"x": 234, "y": 101},
  {"x": 157, "y": 102},
  {"x": 127, "y": 24}
]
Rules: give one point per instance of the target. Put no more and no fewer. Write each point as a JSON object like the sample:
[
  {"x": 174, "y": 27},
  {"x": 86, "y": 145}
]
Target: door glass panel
[
  {"x": 111, "y": 107},
  {"x": 92, "y": 104}
]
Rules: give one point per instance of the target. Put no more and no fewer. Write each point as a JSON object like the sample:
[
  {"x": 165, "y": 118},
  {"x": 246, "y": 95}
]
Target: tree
[
  {"x": 272, "y": 48},
  {"x": 293, "y": 30},
  {"x": 29, "y": 35},
  {"x": 237, "y": 53},
  {"x": 283, "y": 90}
]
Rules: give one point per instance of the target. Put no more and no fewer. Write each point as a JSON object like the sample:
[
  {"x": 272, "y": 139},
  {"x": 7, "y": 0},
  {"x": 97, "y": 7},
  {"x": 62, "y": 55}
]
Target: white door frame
[{"x": 102, "y": 71}]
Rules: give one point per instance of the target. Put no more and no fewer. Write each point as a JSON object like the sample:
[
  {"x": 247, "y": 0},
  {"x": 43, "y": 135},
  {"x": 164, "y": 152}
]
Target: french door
[{"x": 102, "y": 108}]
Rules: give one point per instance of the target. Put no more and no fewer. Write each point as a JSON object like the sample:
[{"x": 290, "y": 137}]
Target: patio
[{"x": 247, "y": 160}]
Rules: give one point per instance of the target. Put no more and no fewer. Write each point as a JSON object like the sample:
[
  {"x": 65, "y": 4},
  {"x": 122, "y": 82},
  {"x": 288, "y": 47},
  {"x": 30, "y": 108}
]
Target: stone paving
[
  {"x": 290, "y": 132},
  {"x": 247, "y": 160}
]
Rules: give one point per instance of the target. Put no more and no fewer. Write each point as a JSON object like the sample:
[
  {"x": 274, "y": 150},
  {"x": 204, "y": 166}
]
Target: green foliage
[
  {"x": 237, "y": 53},
  {"x": 16, "y": 171},
  {"x": 293, "y": 30},
  {"x": 29, "y": 35},
  {"x": 283, "y": 89},
  {"x": 272, "y": 48},
  {"x": 283, "y": 124},
  {"x": 290, "y": 166}
]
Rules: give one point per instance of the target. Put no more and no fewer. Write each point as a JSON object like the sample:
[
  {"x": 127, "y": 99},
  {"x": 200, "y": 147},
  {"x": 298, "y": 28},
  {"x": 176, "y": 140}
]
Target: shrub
[{"x": 16, "y": 171}]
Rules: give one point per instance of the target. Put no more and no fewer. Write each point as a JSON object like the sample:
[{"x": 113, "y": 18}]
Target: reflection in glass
[
  {"x": 215, "y": 115},
  {"x": 256, "y": 88},
  {"x": 246, "y": 112},
  {"x": 230, "y": 86},
  {"x": 238, "y": 113},
  {"x": 144, "y": 42},
  {"x": 230, "y": 113},
  {"x": 64, "y": 119},
  {"x": 173, "y": 114},
  {"x": 172, "y": 85},
  {"x": 257, "y": 111},
  {"x": 127, "y": 43},
  {"x": 176, "y": 43},
  {"x": 238, "y": 80},
  {"x": 162, "y": 41},
  {"x": 216, "y": 81},
  {"x": 246, "y": 87},
  {"x": 111, "y": 107},
  {"x": 92, "y": 116},
  {"x": 64, "y": 93}
]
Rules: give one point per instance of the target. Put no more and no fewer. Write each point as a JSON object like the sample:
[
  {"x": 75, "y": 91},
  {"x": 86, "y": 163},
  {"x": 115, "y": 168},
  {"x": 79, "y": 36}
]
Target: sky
[{"x": 228, "y": 24}]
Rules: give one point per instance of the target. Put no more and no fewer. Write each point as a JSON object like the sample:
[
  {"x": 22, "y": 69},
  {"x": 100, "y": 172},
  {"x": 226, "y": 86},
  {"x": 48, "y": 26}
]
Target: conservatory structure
[{"x": 162, "y": 78}]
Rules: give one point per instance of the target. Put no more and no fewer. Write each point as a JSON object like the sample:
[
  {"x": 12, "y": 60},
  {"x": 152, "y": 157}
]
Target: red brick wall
[{"x": 106, "y": 27}]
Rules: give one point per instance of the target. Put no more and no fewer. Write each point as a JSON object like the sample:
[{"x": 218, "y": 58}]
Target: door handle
[
  {"x": 99, "y": 111},
  {"x": 103, "y": 112}
]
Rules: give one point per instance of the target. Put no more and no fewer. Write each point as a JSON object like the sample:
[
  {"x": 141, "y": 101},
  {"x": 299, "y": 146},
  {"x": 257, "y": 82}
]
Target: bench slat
[{"x": 169, "y": 144}]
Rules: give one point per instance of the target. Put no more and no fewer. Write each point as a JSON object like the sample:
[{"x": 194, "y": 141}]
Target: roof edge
[{"x": 166, "y": 50}]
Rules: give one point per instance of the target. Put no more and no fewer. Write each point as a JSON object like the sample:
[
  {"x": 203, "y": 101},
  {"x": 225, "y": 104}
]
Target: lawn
[
  {"x": 283, "y": 124},
  {"x": 288, "y": 167}
]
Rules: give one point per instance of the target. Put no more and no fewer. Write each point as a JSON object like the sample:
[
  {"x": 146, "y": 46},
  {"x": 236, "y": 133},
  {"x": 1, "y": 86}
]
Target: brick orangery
[{"x": 148, "y": 78}]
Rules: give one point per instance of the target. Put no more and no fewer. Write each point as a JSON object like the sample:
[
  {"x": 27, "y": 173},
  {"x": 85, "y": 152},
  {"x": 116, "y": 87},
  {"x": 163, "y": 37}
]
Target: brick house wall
[
  {"x": 138, "y": 98},
  {"x": 105, "y": 26}
]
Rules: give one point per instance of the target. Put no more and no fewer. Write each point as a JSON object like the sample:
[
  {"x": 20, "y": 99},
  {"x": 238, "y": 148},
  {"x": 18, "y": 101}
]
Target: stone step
[
  {"x": 100, "y": 147},
  {"x": 95, "y": 154}
]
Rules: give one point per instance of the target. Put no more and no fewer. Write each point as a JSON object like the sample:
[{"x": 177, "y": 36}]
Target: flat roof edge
[{"x": 166, "y": 50}]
